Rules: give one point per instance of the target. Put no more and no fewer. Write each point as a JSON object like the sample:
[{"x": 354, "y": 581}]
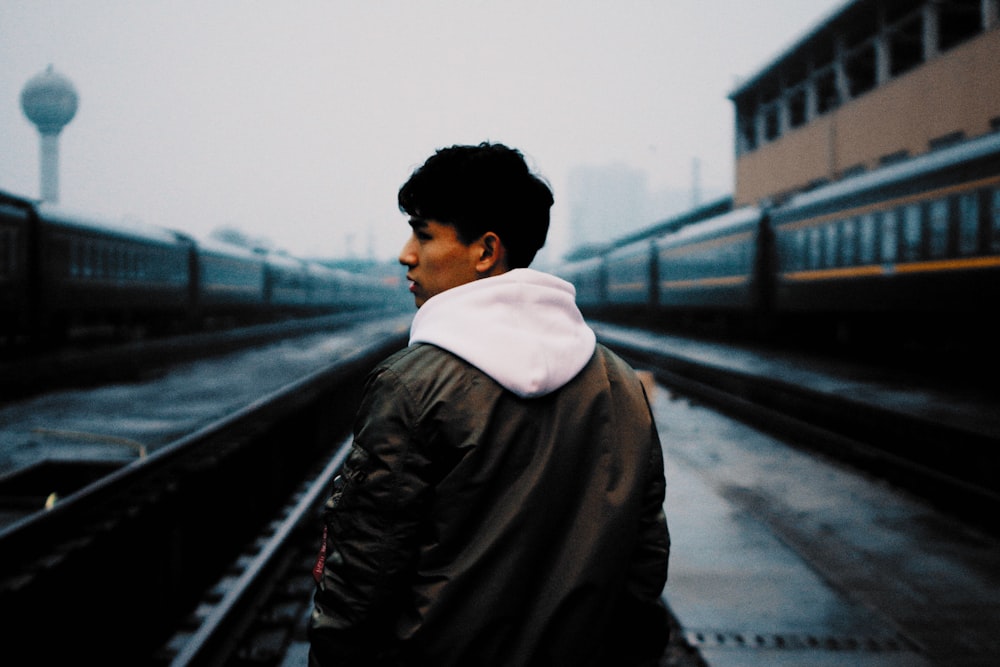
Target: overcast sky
[{"x": 298, "y": 120}]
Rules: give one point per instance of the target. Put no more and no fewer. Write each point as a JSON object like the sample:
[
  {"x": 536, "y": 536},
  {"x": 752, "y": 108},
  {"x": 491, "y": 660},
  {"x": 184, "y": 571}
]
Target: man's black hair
[{"x": 478, "y": 189}]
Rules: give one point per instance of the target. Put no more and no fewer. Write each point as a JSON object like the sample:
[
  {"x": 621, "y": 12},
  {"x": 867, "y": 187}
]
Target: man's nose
[{"x": 406, "y": 255}]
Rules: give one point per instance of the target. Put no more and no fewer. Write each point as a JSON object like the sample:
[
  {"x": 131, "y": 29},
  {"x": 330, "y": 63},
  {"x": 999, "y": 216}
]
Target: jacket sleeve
[
  {"x": 643, "y": 621},
  {"x": 370, "y": 524}
]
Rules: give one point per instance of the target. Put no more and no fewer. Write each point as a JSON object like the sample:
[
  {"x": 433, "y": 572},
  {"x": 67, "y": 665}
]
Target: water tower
[{"x": 49, "y": 101}]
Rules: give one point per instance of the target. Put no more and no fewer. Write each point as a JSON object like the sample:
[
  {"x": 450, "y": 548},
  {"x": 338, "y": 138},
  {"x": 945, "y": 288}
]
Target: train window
[
  {"x": 995, "y": 221},
  {"x": 798, "y": 258},
  {"x": 849, "y": 242},
  {"x": 937, "y": 241},
  {"x": 890, "y": 231},
  {"x": 866, "y": 239},
  {"x": 74, "y": 261},
  {"x": 89, "y": 260},
  {"x": 968, "y": 223},
  {"x": 815, "y": 248},
  {"x": 105, "y": 262},
  {"x": 911, "y": 233},
  {"x": 7, "y": 256},
  {"x": 830, "y": 246}
]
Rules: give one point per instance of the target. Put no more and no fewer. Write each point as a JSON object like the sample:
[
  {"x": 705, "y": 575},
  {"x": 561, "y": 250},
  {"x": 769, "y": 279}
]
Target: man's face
[{"x": 436, "y": 259}]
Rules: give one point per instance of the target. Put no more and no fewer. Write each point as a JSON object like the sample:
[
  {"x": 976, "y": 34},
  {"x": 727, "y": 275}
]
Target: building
[{"x": 877, "y": 82}]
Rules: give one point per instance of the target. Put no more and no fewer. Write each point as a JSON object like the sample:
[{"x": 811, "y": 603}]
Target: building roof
[{"x": 843, "y": 14}]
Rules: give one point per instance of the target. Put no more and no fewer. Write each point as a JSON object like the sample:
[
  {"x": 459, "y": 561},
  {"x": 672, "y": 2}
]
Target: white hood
[{"x": 522, "y": 328}]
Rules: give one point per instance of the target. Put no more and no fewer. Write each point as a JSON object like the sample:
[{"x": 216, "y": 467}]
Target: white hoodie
[{"x": 522, "y": 328}]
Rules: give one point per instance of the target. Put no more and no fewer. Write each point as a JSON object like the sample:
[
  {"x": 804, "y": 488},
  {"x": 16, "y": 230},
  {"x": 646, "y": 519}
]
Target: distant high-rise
[{"x": 49, "y": 100}]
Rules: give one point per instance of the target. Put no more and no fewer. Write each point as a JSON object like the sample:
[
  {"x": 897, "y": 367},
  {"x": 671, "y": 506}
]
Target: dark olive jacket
[{"x": 474, "y": 527}]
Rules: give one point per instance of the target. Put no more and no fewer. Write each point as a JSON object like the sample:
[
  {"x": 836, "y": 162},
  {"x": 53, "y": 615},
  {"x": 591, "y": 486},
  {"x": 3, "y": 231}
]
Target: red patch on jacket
[{"x": 320, "y": 560}]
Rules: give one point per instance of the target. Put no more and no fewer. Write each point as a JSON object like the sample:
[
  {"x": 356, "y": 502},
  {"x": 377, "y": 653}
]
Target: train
[
  {"x": 907, "y": 253},
  {"x": 65, "y": 275}
]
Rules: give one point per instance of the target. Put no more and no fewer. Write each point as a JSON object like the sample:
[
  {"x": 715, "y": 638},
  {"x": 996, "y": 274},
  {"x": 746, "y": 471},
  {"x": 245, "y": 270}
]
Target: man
[{"x": 502, "y": 503}]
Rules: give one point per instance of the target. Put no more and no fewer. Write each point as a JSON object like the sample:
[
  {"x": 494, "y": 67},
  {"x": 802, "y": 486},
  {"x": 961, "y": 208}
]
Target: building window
[
  {"x": 797, "y": 107},
  {"x": 771, "y": 125},
  {"x": 827, "y": 97},
  {"x": 958, "y": 21},
  {"x": 861, "y": 69},
  {"x": 748, "y": 134},
  {"x": 906, "y": 48}
]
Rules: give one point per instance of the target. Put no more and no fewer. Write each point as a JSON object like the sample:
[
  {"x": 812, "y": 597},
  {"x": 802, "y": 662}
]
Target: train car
[
  {"x": 910, "y": 243},
  {"x": 95, "y": 274},
  {"x": 334, "y": 289},
  {"x": 716, "y": 266},
  {"x": 16, "y": 224},
  {"x": 229, "y": 283},
  {"x": 286, "y": 284},
  {"x": 629, "y": 278},
  {"x": 326, "y": 288},
  {"x": 589, "y": 279},
  {"x": 359, "y": 292}
]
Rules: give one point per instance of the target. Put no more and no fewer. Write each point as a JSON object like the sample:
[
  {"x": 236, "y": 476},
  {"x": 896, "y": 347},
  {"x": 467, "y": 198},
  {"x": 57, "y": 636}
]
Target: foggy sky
[{"x": 297, "y": 121}]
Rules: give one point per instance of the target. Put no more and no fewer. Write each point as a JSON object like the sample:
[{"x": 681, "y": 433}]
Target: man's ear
[{"x": 492, "y": 255}]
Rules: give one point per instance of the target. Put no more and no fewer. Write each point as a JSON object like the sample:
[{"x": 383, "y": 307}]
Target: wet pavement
[{"x": 781, "y": 558}]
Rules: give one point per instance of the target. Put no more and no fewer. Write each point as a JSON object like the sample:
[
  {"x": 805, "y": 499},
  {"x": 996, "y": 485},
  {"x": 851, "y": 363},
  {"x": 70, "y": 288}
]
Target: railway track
[
  {"x": 114, "y": 568},
  {"x": 254, "y": 613}
]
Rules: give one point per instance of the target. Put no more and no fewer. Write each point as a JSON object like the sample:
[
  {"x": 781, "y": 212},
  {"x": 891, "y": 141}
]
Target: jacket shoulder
[
  {"x": 613, "y": 362},
  {"x": 416, "y": 357},
  {"x": 422, "y": 367}
]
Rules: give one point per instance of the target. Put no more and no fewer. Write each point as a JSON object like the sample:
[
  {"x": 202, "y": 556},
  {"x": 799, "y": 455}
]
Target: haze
[{"x": 297, "y": 121}]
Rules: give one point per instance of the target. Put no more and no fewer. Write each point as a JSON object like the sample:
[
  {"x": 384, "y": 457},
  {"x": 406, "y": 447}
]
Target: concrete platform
[{"x": 782, "y": 558}]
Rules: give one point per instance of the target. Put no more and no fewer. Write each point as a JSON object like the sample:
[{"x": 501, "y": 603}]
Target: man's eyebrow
[{"x": 417, "y": 222}]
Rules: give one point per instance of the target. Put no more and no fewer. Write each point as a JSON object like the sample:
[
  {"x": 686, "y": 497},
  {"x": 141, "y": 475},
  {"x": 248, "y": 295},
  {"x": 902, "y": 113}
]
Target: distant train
[
  {"x": 911, "y": 249},
  {"x": 61, "y": 273}
]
